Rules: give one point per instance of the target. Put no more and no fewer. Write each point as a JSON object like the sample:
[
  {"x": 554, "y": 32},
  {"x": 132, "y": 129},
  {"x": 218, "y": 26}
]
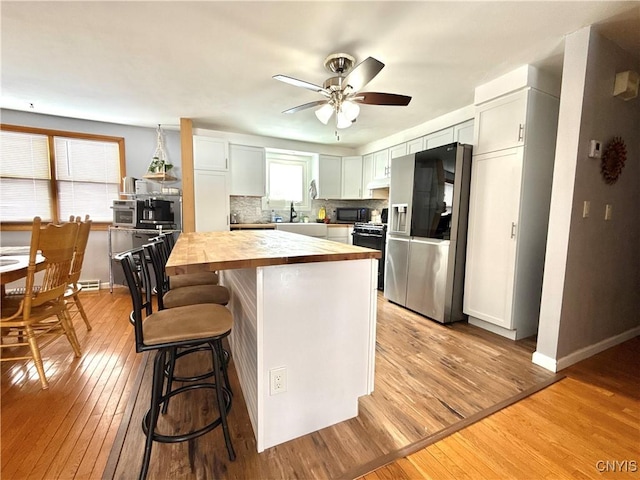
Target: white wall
[{"x": 589, "y": 295}]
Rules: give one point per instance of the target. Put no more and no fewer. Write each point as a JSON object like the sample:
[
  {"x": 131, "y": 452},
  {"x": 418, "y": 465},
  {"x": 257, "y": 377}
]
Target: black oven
[
  {"x": 372, "y": 236},
  {"x": 352, "y": 215}
]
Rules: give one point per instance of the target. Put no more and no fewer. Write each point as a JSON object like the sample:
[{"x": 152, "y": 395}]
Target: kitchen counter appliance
[
  {"x": 128, "y": 213},
  {"x": 352, "y": 215},
  {"x": 372, "y": 235},
  {"x": 157, "y": 212},
  {"x": 429, "y": 204}
]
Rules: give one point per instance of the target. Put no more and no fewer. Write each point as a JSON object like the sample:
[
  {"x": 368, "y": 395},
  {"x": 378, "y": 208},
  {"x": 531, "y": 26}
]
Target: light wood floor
[
  {"x": 587, "y": 425},
  {"x": 428, "y": 377},
  {"x": 447, "y": 371}
]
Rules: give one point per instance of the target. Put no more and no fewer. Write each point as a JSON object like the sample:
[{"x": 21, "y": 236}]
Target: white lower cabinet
[
  {"x": 492, "y": 237},
  {"x": 211, "y": 191},
  {"x": 339, "y": 233}
]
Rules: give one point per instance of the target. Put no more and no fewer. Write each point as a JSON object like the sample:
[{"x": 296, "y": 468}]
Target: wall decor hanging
[{"x": 613, "y": 160}]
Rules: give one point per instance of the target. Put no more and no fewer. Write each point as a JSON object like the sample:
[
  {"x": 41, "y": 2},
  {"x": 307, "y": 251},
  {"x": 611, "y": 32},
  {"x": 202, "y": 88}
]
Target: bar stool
[
  {"x": 168, "y": 329},
  {"x": 180, "y": 297},
  {"x": 185, "y": 280}
]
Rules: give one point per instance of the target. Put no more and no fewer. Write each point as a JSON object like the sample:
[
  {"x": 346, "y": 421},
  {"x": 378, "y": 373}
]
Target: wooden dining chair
[
  {"x": 41, "y": 312},
  {"x": 73, "y": 290}
]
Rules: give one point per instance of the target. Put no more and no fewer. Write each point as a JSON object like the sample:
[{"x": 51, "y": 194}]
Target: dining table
[{"x": 14, "y": 262}]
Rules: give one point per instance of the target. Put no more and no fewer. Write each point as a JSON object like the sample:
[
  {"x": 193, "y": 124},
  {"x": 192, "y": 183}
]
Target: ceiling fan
[{"x": 342, "y": 91}]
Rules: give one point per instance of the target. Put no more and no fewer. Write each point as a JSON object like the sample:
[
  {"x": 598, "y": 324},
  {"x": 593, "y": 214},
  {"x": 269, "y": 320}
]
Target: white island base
[{"x": 318, "y": 322}]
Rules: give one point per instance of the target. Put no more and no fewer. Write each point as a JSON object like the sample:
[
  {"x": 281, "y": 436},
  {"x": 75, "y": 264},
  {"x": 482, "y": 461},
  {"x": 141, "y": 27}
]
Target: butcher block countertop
[{"x": 208, "y": 251}]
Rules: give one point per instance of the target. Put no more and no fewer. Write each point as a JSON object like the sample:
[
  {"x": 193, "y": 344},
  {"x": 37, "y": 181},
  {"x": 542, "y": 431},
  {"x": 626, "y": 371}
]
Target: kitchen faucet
[{"x": 293, "y": 213}]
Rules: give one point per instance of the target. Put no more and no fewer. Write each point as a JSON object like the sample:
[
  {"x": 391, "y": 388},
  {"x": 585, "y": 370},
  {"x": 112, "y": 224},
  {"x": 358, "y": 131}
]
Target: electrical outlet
[{"x": 277, "y": 380}]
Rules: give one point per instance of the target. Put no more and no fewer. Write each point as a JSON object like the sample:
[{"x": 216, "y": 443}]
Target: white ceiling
[{"x": 144, "y": 63}]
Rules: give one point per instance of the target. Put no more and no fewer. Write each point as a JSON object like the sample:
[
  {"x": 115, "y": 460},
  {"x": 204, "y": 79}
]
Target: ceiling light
[
  {"x": 324, "y": 113},
  {"x": 342, "y": 121},
  {"x": 351, "y": 110}
]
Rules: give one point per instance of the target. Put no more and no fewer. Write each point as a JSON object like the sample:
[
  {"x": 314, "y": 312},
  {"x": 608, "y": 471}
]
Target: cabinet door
[
  {"x": 211, "y": 201},
  {"x": 210, "y": 153},
  {"x": 463, "y": 133},
  {"x": 500, "y": 123},
  {"x": 381, "y": 167},
  {"x": 247, "y": 170},
  {"x": 494, "y": 207},
  {"x": 367, "y": 175},
  {"x": 416, "y": 145},
  {"x": 330, "y": 173},
  {"x": 439, "y": 138},
  {"x": 352, "y": 177},
  {"x": 398, "y": 151}
]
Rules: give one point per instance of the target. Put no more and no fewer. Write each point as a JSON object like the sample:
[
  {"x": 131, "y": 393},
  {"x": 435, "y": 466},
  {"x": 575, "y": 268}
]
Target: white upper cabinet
[
  {"x": 330, "y": 177},
  {"x": 398, "y": 151},
  {"x": 352, "y": 177},
  {"x": 500, "y": 123},
  {"x": 381, "y": 166},
  {"x": 210, "y": 153},
  {"x": 247, "y": 165},
  {"x": 439, "y": 138},
  {"x": 417, "y": 145},
  {"x": 367, "y": 174},
  {"x": 463, "y": 132}
]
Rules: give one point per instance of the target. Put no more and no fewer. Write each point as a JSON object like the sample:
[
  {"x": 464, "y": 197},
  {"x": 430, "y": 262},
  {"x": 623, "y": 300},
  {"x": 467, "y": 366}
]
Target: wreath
[{"x": 613, "y": 160}]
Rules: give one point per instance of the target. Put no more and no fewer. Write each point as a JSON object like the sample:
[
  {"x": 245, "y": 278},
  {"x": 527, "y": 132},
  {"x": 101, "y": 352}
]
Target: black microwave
[{"x": 352, "y": 215}]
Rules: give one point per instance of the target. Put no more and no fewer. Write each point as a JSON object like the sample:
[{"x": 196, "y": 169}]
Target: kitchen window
[
  {"x": 54, "y": 174},
  {"x": 288, "y": 175}
]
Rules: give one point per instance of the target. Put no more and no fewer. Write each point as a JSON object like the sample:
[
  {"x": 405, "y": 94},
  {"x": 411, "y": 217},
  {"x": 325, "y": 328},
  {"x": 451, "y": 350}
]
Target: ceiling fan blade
[
  {"x": 305, "y": 106},
  {"x": 301, "y": 83},
  {"x": 376, "y": 98},
  {"x": 363, "y": 73}
]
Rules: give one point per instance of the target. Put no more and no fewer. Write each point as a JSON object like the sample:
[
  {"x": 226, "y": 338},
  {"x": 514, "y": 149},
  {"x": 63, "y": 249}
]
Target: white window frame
[{"x": 289, "y": 157}]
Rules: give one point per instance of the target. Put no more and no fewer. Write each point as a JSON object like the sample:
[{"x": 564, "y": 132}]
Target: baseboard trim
[
  {"x": 554, "y": 365},
  {"x": 591, "y": 350},
  {"x": 544, "y": 361}
]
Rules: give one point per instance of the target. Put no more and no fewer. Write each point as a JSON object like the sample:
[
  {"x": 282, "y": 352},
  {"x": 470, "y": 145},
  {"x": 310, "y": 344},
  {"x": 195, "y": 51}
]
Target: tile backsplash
[{"x": 249, "y": 209}]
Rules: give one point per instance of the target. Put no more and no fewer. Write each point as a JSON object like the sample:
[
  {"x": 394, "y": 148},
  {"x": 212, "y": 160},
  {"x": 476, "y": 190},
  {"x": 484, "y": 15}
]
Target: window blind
[{"x": 24, "y": 170}]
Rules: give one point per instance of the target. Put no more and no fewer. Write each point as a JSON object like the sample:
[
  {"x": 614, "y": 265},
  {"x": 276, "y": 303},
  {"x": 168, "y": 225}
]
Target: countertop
[
  {"x": 267, "y": 226},
  {"x": 208, "y": 251}
]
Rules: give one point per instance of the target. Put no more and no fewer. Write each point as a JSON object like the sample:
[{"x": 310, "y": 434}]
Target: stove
[{"x": 372, "y": 235}]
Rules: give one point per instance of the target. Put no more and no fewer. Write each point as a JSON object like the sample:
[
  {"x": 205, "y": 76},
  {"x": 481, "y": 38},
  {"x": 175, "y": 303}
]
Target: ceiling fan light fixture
[
  {"x": 351, "y": 110},
  {"x": 342, "y": 121},
  {"x": 324, "y": 113}
]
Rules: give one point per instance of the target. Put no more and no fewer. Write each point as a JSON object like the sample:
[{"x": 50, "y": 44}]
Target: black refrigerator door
[{"x": 433, "y": 192}]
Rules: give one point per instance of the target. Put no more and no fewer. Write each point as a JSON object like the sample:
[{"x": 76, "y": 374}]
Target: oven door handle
[{"x": 366, "y": 235}]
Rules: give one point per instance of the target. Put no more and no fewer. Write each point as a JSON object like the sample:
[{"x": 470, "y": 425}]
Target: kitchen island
[{"x": 303, "y": 340}]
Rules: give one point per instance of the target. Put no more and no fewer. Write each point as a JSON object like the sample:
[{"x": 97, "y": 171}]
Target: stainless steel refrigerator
[{"x": 427, "y": 231}]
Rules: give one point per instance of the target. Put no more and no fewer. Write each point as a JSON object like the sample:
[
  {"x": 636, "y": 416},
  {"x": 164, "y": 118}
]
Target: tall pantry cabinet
[
  {"x": 511, "y": 176},
  {"x": 211, "y": 183}
]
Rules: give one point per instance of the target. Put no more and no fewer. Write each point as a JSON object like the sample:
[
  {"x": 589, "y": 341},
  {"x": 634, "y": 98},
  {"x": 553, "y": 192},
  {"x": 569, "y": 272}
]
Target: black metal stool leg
[
  {"x": 172, "y": 365},
  {"x": 217, "y": 346},
  {"x": 156, "y": 396}
]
